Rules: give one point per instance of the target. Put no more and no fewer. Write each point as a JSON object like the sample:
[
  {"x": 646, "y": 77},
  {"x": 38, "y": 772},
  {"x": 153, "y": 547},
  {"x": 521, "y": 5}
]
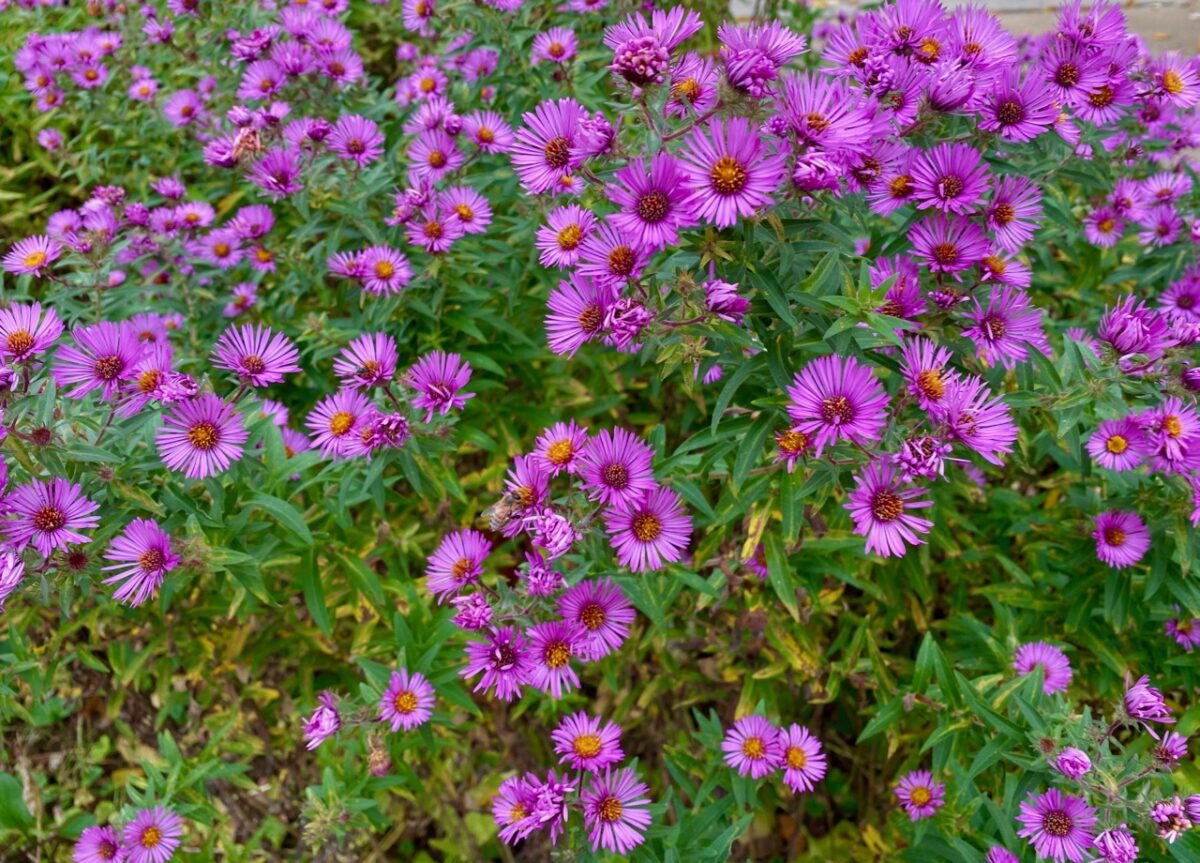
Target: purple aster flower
[
  {"x": 556, "y": 45},
  {"x": 753, "y": 54},
  {"x": 587, "y": 742},
  {"x": 545, "y": 150},
  {"x": 1118, "y": 444},
  {"x": 222, "y": 248},
  {"x": 948, "y": 245},
  {"x": 802, "y": 760},
  {"x": 551, "y": 647},
  {"x": 1072, "y": 763},
  {"x": 356, "y": 139},
  {"x": 407, "y": 702},
  {"x": 1019, "y": 110},
  {"x": 439, "y": 377},
  {"x": 550, "y": 809},
  {"x": 244, "y": 295},
  {"x": 433, "y": 155},
  {"x": 1162, "y": 226},
  {"x": 724, "y": 301},
  {"x": 602, "y": 609},
  {"x": 923, "y": 364},
  {"x": 1014, "y": 212},
  {"x": 1056, "y": 668},
  {"x": 526, "y": 489},
  {"x": 1170, "y": 749},
  {"x": 152, "y": 836},
  {"x": 1121, "y": 538},
  {"x": 1144, "y": 703},
  {"x": 1008, "y": 329},
  {"x": 277, "y": 172},
  {"x": 1103, "y": 227},
  {"x": 1181, "y": 301},
  {"x": 511, "y": 806},
  {"x": 504, "y": 659},
  {"x": 261, "y": 80},
  {"x": 577, "y": 308},
  {"x": 49, "y": 515},
  {"x": 470, "y": 208},
  {"x": 921, "y": 457},
  {"x": 384, "y": 271},
  {"x": 971, "y": 415},
  {"x": 1117, "y": 845},
  {"x": 1058, "y": 826},
  {"x": 642, "y": 50},
  {"x": 650, "y": 531},
  {"x": 1177, "y": 79},
  {"x": 435, "y": 230},
  {"x": 183, "y": 107},
  {"x": 324, "y": 723},
  {"x": 368, "y": 361},
  {"x": 256, "y": 354},
  {"x": 879, "y": 506},
  {"x": 997, "y": 854},
  {"x": 540, "y": 578},
  {"x": 144, "y": 557},
  {"x": 336, "y": 422},
  {"x": 489, "y": 131},
  {"x": 694, "y": 86},
  {"x": 654, "y": 204},
  {"x": 97, "y": 845},
  {"x": 1172, "y": 429},
  {"x": 473, "y": 611},
  {"x": 201, "y": 437},
  {"x": 12, "y": 573},
  {"x": 103, "y": 357},
  {"x": 1171, "y": 818},
  {"x": 731, "y": 172},
  {"x": 833, "y": 399},
  {"x": 554, "y": 534},
  {"x": 1186, "y": 633},
  {"x": 32, "y": 255},
  {"x": 564, "y": 232},
  {"x": 920, "y": 796},
  {"x": 753, "y": 747},
  {"x": 558, "y": 447},
  {"x": 616, "y": 811},
  {"x": 949, "y": 177},
  {"x": 790, "y": 445},
  {"x": 26, "y": 332},
  {"x": 615, "y": 467}
]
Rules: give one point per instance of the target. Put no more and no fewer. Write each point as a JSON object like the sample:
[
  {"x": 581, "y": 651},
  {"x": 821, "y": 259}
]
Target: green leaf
[{"x": 286, "y": 514}]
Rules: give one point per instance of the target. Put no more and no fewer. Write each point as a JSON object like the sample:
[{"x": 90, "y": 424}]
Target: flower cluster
[
  {"x": 151, "y": 836},
  {"x": 756, "y": 748}
]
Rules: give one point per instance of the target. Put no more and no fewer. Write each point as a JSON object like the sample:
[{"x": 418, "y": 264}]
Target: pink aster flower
[
  {"x": 880, "y": 508},
  {"x": 616, "y": 811},
  {"x": 49, "y": 515},
  {"x": 435, "y": 230},
  {"x": 1144, "y": 703},
  {"x": 438, "y": 378},
  {"x": 470, "y": 208},
  {"x": 1118, "y": 444},
  {"x": 649, "y": 531},
  {"x": 615, "y": 467},
  {"x": 256, "y": 354},
  {"x": 356, "y": 139},
  {"x": 920, "y": 796},
  {"x": 152, "y": 836},
  {"x": 504, "y": 659},
  {"x": 948, "y": 244},
  {"x": 384, "y": 271},
  {"x": 556, "y": 45},
  {"x": 201, "y": 437},
  {"x": 407, "y": 702},
  {"x": 654, "y": 204},
  {"x": 971, "y": 415},
  {"x": 1056, "y": 668},
  {"x": 834, "y": 399},
  {"x": 587, "y": 742},
  {"x": 730, "y": 171},
  {"x": 324, "y": 723},
  {"x": 26, "y": 332},
  {"x": 489, "y": 131},
  {"x": 802, "y": 761},
  {"x": 949, "y": 177},
  {"x": 144, "y": 557},
  {"x": 577, "y": 309},
  {"x": 1121, "y": 538},
  {"x": 923, "y": 364},
  {"x": 1057, "y": 825},
  {"x": 336, "y": 422},
  {"x": 97, "y": 845},
  {"x": 601, "y": 608},
  {"x": 432, "y": 156},
  {"x": 102, "y": 357},
  {"x": 457, "y": 563},
  {"x": 1008, "y": 329},
  {"x": 368, "y": 361},
  {"x": 1072, "y": 763},
  {"x": 753, "y": 747},
  {"x": 558, "y": 447},
  {"x": 32, "y": 255},
  {"x": 545, "y": 150},
  {"x": 551, "y": 646}
]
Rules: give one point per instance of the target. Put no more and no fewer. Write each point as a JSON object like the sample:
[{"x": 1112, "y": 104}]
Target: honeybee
[{"x": 502, "y": 511}]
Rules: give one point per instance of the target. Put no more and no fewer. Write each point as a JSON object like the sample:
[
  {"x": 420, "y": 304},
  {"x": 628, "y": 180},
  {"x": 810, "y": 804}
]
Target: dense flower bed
[{"x": 502, "y": 430}]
